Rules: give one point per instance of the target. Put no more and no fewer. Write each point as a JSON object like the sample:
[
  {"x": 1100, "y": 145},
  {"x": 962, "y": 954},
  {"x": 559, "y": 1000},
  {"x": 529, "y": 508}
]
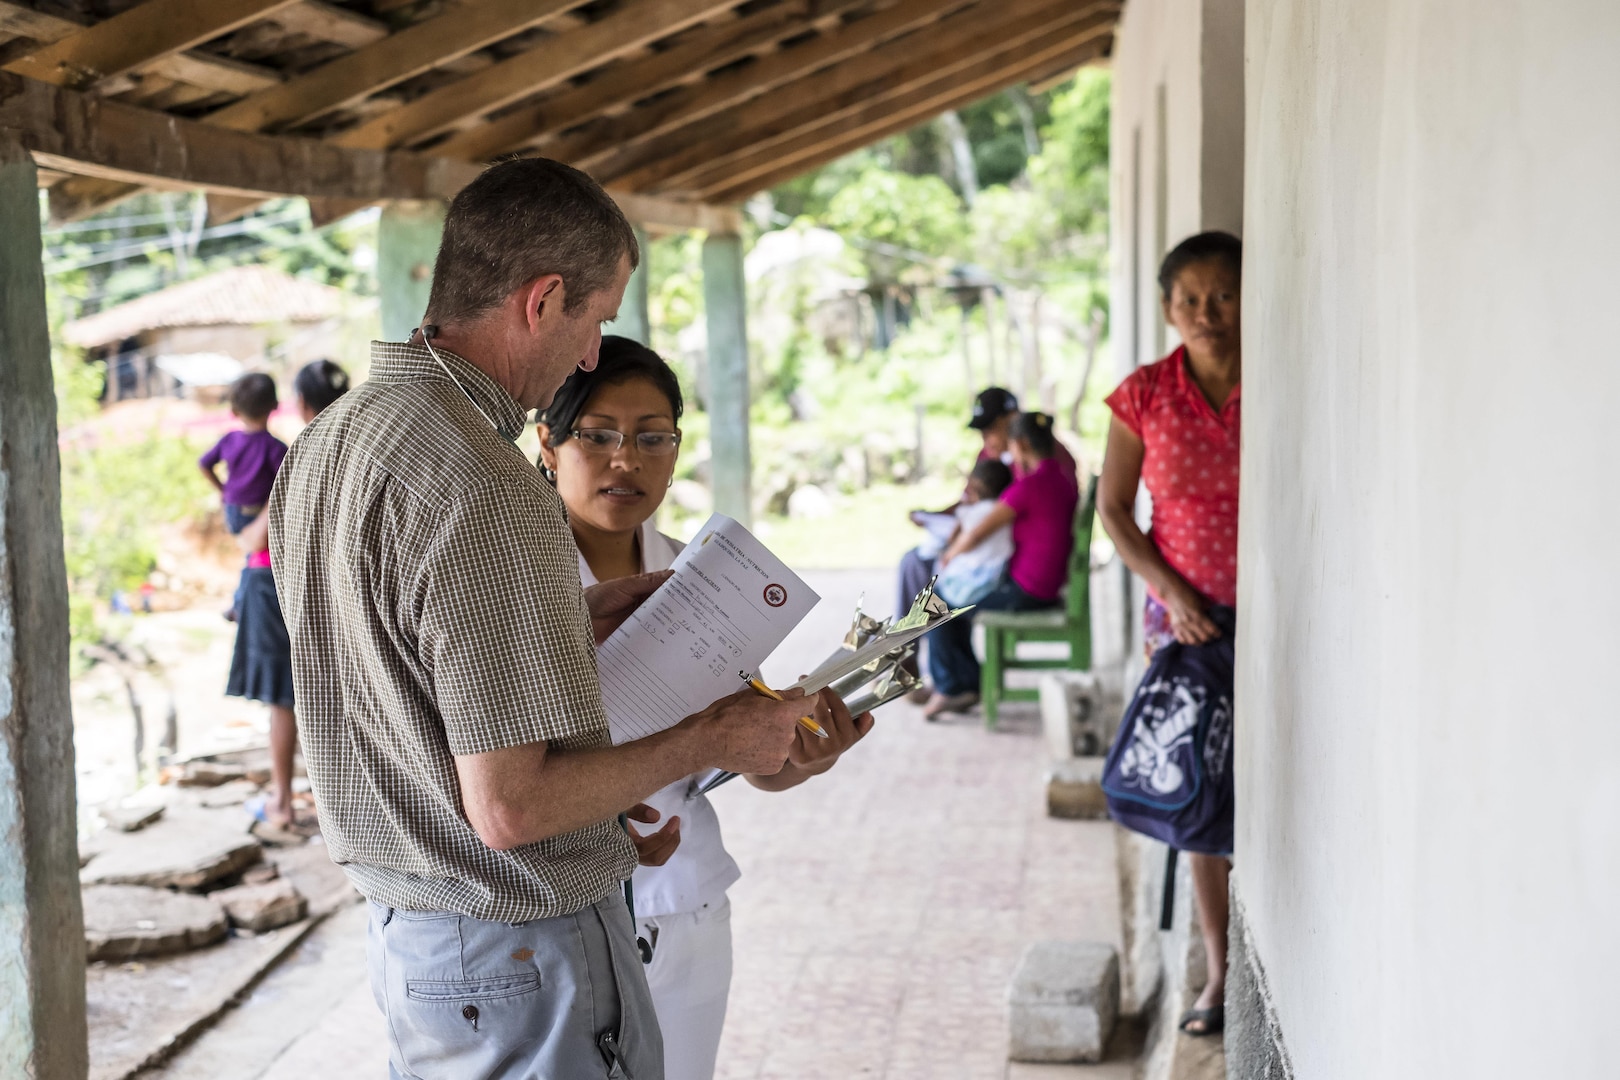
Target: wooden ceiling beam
[
  {"x": 884, "y": 73},
  {"x": 136, "y": 37},
  {"x": 550, "y": 63},
  {"x": 828, "y": 143},
  {"x": 655, "y": 211},
  {"x": 71, "y": 131},
  {"x": 391, "y": 60},
  {"x": 618, "y": 87},
  {"x": 726, "y": 91}
]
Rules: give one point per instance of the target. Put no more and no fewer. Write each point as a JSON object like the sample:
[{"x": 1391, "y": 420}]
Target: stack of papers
[{"x": 727, "y": 607}]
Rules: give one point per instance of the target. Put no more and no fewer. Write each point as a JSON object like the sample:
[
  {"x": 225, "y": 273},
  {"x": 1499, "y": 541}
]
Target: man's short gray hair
[{"x": 520, "y": 220}]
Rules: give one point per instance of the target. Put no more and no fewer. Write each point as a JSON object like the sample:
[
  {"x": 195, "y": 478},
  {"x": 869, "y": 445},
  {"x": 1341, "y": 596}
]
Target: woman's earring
[{"x": 549, "y": 473}]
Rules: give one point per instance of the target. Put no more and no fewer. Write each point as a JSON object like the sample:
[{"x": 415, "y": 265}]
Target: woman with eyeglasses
[{"x": 609, "y": 441}]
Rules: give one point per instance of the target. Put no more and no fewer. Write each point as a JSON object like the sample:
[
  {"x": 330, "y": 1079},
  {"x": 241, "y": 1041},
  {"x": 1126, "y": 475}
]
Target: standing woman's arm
[{"x": 1116, "y": 505}]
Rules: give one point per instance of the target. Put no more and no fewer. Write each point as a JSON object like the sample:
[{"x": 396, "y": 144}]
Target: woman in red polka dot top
[{"x": 1176, "y": 430}]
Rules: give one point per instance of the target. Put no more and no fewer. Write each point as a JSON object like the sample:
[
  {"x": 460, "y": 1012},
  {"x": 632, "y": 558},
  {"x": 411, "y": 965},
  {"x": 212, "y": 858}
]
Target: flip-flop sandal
[
  {"x": 299, "y": 829},
  {"x": 291, "y": 835},
  {"x": 1213, "y": 1019}
]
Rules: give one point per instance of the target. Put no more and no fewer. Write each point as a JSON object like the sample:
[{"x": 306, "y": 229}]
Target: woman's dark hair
[
  {"x": 1216, "y": 246},
  {"x": 1034, "y": 430},
  {"x": 320, "y": 382},
  {"x": 619, "y": 361},
  {"x": 993, "y": 476},
  {"x": 253, "y": 396}
]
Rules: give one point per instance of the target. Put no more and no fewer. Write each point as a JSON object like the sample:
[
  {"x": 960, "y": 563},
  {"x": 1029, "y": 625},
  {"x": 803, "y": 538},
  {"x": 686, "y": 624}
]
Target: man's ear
[{"x": 543, "y": 300}]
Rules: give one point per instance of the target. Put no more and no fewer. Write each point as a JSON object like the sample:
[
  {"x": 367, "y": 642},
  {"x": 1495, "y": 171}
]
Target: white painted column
[
  {"x": 726, "y": 305},
  {"x": 634, "y": 321},
  {"x": 42, "y": 1025},
  {"x": 408, "y": 236}
]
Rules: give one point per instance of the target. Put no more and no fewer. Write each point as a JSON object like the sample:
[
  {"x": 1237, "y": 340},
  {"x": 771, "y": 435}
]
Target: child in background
[
  {"x": 973, "y": 574},
  {"x": 251, "y": 456}
]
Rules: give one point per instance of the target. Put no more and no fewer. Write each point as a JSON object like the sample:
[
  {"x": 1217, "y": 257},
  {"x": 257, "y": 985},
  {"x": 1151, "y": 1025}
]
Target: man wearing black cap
[{"x": 993, "y": 413}]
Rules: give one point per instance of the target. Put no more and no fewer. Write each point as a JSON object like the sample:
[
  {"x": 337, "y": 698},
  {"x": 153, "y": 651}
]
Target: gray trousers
[{"x": 552, "y": 999}]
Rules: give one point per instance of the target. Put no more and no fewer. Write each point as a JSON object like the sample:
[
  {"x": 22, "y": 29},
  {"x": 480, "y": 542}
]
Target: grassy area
[{"x": 867, "y": 529}]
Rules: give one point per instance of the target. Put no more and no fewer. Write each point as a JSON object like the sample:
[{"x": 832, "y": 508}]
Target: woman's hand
[
  {"x": 612, "y": 602},
  {"x": 655, "y": 848},
  {"x": 1188, "y": 622},
  {"x": 810, "y": 754}
]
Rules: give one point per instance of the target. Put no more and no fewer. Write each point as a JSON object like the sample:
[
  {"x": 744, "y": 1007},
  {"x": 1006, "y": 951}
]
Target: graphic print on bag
[
  {"x": 1159, "y": 762},
  {"x": 1169, "y": 772}
]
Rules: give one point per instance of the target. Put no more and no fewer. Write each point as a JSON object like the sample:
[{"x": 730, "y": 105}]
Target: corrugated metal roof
[{"x": 240, "y": 296}]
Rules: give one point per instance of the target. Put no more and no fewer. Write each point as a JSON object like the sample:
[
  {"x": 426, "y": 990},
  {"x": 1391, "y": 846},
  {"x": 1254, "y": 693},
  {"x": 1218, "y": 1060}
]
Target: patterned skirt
[{"x": 1156, "y": 632}]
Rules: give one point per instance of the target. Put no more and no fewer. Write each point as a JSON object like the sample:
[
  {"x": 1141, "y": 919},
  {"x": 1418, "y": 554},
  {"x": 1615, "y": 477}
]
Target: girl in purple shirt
[
  {"x": 1040, "y": 508},
  {"x": 252, "y": 456}
]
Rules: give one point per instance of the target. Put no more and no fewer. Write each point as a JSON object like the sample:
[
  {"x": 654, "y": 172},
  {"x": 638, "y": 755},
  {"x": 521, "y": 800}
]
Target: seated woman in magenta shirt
[{"x": 1040, "y": 508}]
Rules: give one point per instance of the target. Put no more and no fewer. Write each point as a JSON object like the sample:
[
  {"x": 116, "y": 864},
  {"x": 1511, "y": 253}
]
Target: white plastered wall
[
  {"x": 1176, "y": 157},
  {"x": 1176, "y": 163},
  {"x": 1428, "y": 730}
]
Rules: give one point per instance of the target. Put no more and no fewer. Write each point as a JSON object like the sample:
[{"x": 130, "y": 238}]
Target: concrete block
[
  {"x": 1069, "y": 703},
  {"x": 1064, "y": 1001},
  {"x": 1074, "y": 789}
]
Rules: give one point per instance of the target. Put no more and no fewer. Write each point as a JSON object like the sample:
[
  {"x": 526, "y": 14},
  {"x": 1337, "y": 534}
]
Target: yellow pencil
[{"x": 809, "y": 722}]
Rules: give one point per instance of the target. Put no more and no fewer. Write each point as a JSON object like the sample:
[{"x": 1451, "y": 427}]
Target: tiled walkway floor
[{"x": 881, "y": 912}]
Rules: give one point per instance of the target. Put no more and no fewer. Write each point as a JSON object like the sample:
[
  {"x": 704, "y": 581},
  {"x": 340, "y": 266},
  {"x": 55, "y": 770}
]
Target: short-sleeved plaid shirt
[{"x": 431, "y": 588}]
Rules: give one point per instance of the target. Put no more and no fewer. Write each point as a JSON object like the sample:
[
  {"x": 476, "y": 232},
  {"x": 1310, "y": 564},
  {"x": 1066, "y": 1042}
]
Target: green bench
[{"x": 1004, "y": 631}]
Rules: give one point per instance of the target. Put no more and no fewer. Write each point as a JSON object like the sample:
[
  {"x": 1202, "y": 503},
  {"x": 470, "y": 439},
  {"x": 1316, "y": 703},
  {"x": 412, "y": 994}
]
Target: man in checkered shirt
[{"x": 445, "y": 667}]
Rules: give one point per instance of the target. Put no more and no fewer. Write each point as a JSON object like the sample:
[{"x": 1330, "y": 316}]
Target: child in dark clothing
[{"x": 251, "y": 456}]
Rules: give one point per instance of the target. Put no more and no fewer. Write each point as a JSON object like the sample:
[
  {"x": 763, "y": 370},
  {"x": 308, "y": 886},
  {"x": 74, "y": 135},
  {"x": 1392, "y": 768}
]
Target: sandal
[{"x": 1213, "y": 1020}]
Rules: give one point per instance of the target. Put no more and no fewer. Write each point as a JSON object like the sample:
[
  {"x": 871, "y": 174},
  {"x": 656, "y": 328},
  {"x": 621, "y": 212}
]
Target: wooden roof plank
[
  {"x": 221, "y": 73},
  {"x": 199, "y": 69},
  {"x": 328, "y": 22},
  {"x": 618, "y": 87},
  {"x": 549, "y": 63},
  {"x": 885, "y": 72},
  {"x": 77, "y": 132},
  {"x": 725, "y": 91},
  {"x": 826, "y": 144},
  {"x": 138, "y": 36},
  {"x": 387, "y": 62}
]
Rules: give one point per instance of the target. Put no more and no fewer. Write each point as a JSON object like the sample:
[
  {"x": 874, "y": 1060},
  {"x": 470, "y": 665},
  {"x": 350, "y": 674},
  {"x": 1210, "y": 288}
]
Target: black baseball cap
[{"x": 991, "y": 405}]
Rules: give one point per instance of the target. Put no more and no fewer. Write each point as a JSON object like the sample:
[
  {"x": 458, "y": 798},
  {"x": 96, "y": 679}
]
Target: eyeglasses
[{"x": 608, "y": 441}]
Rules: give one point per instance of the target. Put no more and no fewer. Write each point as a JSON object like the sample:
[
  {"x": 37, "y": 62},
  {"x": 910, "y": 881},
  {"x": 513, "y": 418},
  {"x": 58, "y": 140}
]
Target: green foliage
[
  {"x": 117, "y": 501},
  {"x": 918, "y": 215}
]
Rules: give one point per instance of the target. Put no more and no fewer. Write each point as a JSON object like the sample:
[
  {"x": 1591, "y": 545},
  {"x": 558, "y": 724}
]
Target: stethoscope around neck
[{"x": 427, "y": 331}]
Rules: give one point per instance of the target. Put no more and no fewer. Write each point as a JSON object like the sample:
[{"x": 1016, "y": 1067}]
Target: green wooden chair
[{"x": 1004, "y": 631}]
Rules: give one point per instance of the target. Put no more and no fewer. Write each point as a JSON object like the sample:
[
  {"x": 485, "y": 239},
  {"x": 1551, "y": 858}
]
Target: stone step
[
  {"x": 122, "y": 922},
  {"x": 262, "y": 906},
  {"x": 185, "y": 850}
]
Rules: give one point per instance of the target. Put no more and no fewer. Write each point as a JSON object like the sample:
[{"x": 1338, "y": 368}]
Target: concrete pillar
[
  {"x": 42, "y": 1027},
  {"x": 634, "y": 322},
  {"x": 407, "y": 243},
  {"x": 725, "y": 305}
]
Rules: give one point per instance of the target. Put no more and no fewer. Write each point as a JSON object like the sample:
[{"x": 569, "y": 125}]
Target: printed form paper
[{"x": 729, "y": 605}]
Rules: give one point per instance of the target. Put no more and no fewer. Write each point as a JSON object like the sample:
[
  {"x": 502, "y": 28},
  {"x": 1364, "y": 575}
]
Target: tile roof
[{"x": 240, "y": 296}]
